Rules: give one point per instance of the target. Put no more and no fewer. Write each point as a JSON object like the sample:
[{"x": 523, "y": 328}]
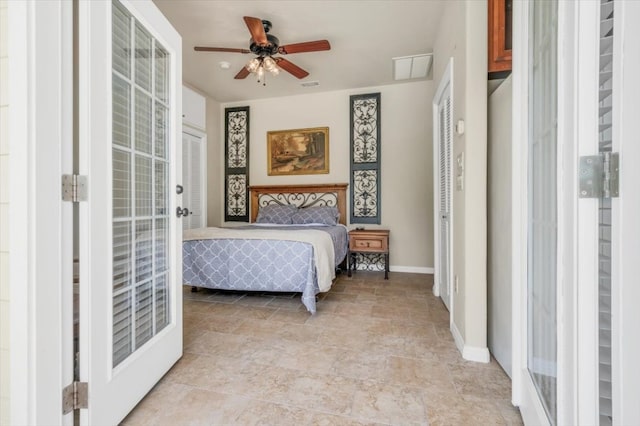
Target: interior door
[
  {"x": 192, "y": 180},
  {"x": 130, "y": 244},
  {"x": 442, "y": 105}
]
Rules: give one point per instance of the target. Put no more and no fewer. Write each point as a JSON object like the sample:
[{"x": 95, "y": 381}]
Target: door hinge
[
  {"x": 599, "y": 175},
  {"x": 75, "y": 396},
  {"x": 74, "y": 188}
]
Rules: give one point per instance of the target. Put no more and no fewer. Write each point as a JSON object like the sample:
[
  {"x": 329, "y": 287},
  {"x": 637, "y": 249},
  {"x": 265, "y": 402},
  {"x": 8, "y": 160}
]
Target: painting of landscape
[{"x": 298, "y": 151}]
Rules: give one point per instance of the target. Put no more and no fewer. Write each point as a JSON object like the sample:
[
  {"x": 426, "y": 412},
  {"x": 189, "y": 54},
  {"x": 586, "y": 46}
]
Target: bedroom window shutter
[
  {"x": 365, "y": 158},
  {"x": 236, "y": 164},
  {"x": 605, "y": 216}
]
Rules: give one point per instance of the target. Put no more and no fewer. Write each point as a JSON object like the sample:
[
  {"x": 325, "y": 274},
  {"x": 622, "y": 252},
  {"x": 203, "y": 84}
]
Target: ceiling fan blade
[
  {"x": 244, "y": 72},
  {"x": 220, "y": 49},
  {"x": 291, "y": 68},
  {"x": 308, "y": 46},
  {"x": 256, "y": 29}
]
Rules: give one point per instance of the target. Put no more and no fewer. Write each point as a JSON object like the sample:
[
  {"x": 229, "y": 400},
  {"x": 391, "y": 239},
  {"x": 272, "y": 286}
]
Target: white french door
[
  {"x": 575, "y": 254},
  {"x": 130, "y": 236},
  {"x": 442, "y": 149}
]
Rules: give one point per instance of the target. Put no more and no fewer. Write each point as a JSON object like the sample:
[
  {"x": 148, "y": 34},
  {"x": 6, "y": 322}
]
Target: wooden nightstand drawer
[{"x": 365, "y": 244}]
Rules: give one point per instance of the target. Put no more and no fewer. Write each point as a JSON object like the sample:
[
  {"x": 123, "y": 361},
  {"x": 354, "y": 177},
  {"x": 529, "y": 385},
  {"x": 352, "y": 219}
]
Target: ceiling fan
[{"x": 265, "y": 46}]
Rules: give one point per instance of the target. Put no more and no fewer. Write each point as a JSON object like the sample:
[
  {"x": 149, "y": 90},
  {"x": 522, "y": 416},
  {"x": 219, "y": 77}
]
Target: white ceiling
[{"x": 364, "y": 36}]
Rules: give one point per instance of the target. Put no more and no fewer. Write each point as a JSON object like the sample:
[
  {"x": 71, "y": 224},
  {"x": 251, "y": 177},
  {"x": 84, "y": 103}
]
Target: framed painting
[{"x": 298, "y": 151}]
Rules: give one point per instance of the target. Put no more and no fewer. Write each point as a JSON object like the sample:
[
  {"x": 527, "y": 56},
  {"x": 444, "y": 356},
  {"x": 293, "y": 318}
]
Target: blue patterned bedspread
[{"x": 259, "y": 265}]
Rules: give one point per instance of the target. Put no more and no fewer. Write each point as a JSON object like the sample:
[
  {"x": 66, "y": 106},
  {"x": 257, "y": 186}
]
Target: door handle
[
  {"x": 179, "y": 189},
  {"x": 182, "y": 211}
]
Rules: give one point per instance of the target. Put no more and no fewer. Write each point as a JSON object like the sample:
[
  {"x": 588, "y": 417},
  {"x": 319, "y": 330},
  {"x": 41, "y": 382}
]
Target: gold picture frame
[{"x": 298, "y": 151}]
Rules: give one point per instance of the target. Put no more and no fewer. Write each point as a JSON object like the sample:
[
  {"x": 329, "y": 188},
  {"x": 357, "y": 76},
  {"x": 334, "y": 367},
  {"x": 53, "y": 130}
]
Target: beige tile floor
[{"x": 376, "y": 352}]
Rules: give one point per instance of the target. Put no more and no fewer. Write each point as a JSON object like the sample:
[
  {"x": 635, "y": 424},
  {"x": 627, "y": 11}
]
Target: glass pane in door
[
  {"x": 542, "y": 209},
  {"x": 140, "y": 166}
]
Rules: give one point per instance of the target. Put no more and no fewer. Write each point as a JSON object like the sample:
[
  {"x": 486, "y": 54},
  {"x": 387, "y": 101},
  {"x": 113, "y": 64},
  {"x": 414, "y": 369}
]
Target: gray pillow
[
  {"x": 325, "y": 215},
  {"x": 276, "y": 213}
]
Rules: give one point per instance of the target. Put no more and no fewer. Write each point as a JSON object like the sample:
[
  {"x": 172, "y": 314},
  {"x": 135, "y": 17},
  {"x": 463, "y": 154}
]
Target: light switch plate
[{"x": 460, "y": 172}]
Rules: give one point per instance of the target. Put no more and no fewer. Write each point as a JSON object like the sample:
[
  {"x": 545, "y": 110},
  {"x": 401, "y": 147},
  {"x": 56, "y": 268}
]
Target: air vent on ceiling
[
  {"x": 408, "y": 67},
  {"x": 310, "y": 83}
]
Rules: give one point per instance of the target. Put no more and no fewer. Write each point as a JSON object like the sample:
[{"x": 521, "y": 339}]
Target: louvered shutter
[{"x": 604, "y": 246}]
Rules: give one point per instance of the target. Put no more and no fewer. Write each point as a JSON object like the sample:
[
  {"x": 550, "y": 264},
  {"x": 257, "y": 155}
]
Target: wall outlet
[{"x": 455, "y": 285}]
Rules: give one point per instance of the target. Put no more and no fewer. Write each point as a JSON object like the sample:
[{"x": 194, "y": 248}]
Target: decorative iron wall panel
[
  {"x": 237, "y": 205},
  {"x": 236, "y": 164},
  {"x": 365, "y": 158},
  {"x": 364, "y": 190}
]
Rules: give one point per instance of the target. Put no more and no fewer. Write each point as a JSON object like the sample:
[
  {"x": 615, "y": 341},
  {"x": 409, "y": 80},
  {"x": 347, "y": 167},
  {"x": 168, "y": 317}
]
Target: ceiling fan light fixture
[
  {"x": 260, "y": 64},
  {"x": 253, "y": 65},
  {"x": 270, "y": 64}
]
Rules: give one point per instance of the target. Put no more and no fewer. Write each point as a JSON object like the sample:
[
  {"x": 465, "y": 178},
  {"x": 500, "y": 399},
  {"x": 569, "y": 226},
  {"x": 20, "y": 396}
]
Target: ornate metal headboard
[{"x": 334, "y": 194}]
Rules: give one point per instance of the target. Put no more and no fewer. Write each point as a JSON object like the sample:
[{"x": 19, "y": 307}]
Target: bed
[{"x": 296, "y": 241}]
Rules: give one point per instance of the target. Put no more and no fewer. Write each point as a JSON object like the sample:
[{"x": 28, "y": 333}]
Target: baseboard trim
[
  {"x": 470, "y": 353},
  {"x": 412, "y": 269}
]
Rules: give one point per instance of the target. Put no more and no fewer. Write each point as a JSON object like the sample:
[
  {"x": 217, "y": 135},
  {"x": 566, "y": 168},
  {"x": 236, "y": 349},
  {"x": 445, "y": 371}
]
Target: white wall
[
  {"x": 215, "y": 179},
  {"x": 407, "y": 189},
  {"x": 463, "y": 36},
  {"x": 499, "y": 227},
  {"x": 4, "y": 220}
]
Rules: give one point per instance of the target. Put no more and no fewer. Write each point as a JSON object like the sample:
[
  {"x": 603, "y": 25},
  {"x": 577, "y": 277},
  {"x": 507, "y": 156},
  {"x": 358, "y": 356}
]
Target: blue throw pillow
[
  {"x": 276, "y": 214},
  {"x": 325, "y": 215}
]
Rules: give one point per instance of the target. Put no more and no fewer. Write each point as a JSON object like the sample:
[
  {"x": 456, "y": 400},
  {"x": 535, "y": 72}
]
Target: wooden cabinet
[
  {"x": 500, "y": 37},
  {"x": 368, "y": 241}
]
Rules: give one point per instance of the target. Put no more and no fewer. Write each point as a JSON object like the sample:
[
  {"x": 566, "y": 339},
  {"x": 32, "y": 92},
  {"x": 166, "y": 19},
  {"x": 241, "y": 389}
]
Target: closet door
[
  {"x": 442, "y": 147},
  {"x": 193, "y": 180}
]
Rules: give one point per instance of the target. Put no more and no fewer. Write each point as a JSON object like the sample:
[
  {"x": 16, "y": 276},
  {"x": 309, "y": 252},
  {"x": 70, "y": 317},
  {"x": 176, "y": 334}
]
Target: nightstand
[{"x": 368, "y": 241}]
